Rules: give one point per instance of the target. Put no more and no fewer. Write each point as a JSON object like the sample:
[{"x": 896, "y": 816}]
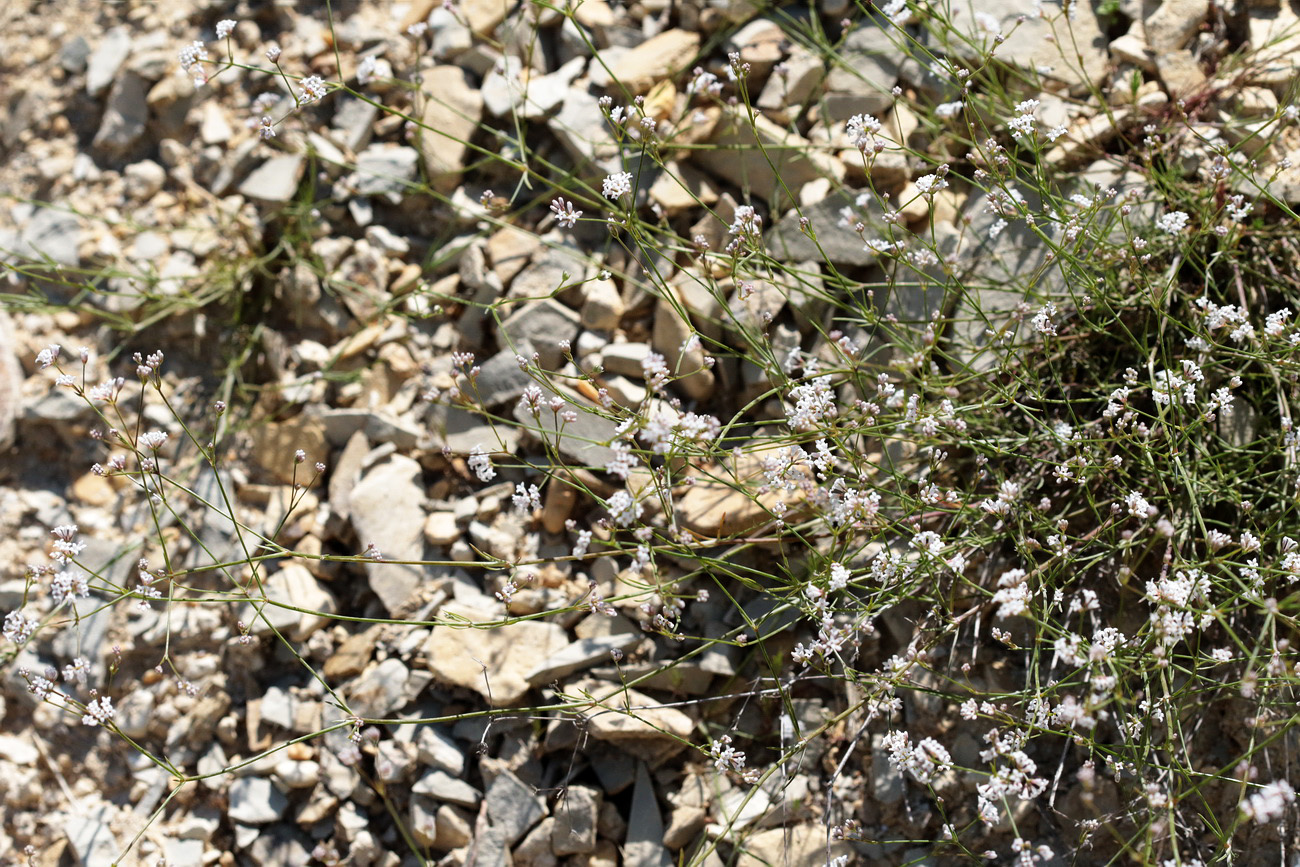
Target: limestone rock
[
  {"x": 656, "y": 59},
  {"x": 276, "y": 180},
  {"x": 493, "y": 662},
  {"x": 1045, "y": 45},
  {"x": 387, "y": 511},
  {"x": 764, "y": 159},
  {"x": 451, "y": 113},
  {"x": 799, "y": 846},
  {"x": 11, "y": 382}
]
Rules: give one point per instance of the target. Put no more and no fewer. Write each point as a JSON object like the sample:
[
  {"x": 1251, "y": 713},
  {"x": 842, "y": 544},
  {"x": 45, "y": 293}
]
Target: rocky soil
[{"x": 320, "y": 281}]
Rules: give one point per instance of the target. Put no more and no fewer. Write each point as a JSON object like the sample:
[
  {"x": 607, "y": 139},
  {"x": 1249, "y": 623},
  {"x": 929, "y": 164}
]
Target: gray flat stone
[
  {"x": 585, "y": 440},
  {"x": 125, "y": 116},
  {"x": 451, "y": 113},
  {"x": 442, "y": 786},
  {"x": 380, "y": 693},
  {"x": 385, "y": 170},
  {"x": 839, "y": 245},
  {"x": 645, "y": 826},
  {"x": 275, "y": 181},
  {"x": 513, "y": 807},
  {"x": 107, "y": 59},
  {"x": 860, "y": 82},
  {"x": 387, "y": 509},
  {"x": 576, "y": 816},
  {"x": 542, "y": 324},
  {"x": 90, "y": 836},
  {"x": 256, "y": 801},
  {"x": 583, "y": 653},
  {"x": 500, "y": 379}
]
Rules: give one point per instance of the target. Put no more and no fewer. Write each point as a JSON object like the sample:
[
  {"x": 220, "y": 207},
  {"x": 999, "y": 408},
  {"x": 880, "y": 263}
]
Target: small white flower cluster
[
  {"x": 1168, "y": 385},
  {"x": 1023, "y": 123},
  {"x": 65, "y": 546},
  {"x": 814, "y": 402},
  {"x": 225, "y": 27},
  {"x": 531, "y": 399},
  {"x": 1172, "y": 222},
  {"x": 77, "y": 671},
  {"x": 565, "y": 214},
  {"x": 48, "y": 356},
  {"x": 1269, "y": 803},
  {"x": 655, "y": 372},
  {"x": 831, "y": 636},
  {"x": 747, "y": 227},
  {"x": 1008, "y": 493},
  {"x": 153, "y": 440},
  {"x": 1013, "y": 776},
  {"x": 1012, "y": 596},
  {"x": 623, "y": 461},
  {"x": 703, "y": 81},
  {"x": 313, "y": 89},
  {"x": 481, "y": 464},
  {"x": 1172, "y": 620},
  {"x": 669, "y": 429},
  {"x": 623, "y": 508},
  {"x": 99, "y": 712},
  {"x": 845, "y": 505},
  {"x": 526, "y": 500},
  {"x": 1027, "y": 855},
  {"x": 862, "y": 129},
  {"x": 925, "y": 761},
  {"x": 1043, "y": 320},
  {"x": 728, "y": 758},
  {"x": 1137, "y": 504},
  {"x": 1074, "y": 714},
  {"x": 18, "y": 627},
  {"x": 617, "y": 185},
  {"x": 929, "y": 185},
  {"x": 367, "y": 68},
  {"x": 191, "y": 58},
  {"x": 1238, "y": 208}
]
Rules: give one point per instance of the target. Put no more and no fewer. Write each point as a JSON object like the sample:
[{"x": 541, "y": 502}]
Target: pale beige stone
[
  {"x": 450, "y": 115},
  {"x": 495, "y": 661},
  {"x": 765, "y": 159},
  {"x": 800, "y": 846},
  {"x": 657, "y": 58}
]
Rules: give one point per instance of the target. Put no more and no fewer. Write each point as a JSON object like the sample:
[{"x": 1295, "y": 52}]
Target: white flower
[
  {"x": 565, "y": 214},
  {"x": 366, "y": 69},
  {"x": 623, "y": 508},
  {"x": 1043, "y": 321},
  {"x": 1137, "y": 504},
  {"x": 153, "y": 439},
  {"x": 861, "y": 129},
  {"x": 1239, "y": 208},
  {"x": 225, "y": 27},
  {"x": 617, "y": 185},
  {"x": 928, "y": 185},
  {"x": 313, "y": 88},
  {"x": 98, "y": 712},
  {"x": 747, "y": 222},
  {"x": 1269, "y": 803},
  {"x": 47, "y": 356},
  {"x": 191, "y": 55},
  {"x": 1172, "y": 222},
  {"x": 18, "y": 627},
  {"x": 481, "y": 464}
]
